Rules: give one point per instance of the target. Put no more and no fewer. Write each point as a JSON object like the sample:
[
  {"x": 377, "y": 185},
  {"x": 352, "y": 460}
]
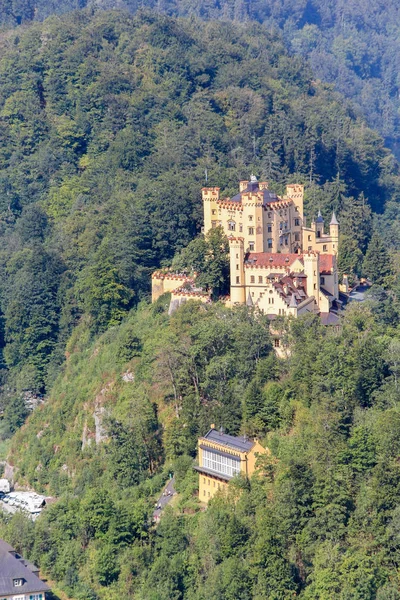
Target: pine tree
[{"x": 377, "y": 264}]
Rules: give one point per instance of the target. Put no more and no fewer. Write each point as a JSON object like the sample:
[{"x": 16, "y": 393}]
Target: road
[{"x": 163, "y": 500}]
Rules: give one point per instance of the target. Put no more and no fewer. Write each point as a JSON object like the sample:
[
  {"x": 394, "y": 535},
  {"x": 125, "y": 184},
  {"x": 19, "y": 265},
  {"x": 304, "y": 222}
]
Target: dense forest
[
  {"x": 110, "y": 124},
  {"x": 319, "y": 519},
  {"x": 353, "y": 45}
]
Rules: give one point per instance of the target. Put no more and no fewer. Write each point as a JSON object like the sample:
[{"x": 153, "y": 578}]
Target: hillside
[
  {"x": 319, "y": 520},
  {"x": 109, "y": 124}
]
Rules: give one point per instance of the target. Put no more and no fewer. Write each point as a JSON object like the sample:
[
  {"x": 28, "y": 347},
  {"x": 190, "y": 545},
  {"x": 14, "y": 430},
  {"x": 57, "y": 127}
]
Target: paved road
[
  {"x": 166, "y": 496},
  {"x": 358, "y": 294}
]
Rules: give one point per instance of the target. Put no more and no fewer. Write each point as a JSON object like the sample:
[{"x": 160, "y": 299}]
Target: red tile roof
[
  {"x": 262, "y": 259},
  {"x": 326, "y": 263}
]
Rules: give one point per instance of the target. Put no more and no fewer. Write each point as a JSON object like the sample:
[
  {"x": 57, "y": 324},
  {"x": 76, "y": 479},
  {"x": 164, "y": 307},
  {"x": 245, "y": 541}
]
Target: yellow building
[
  {"x": 267, "y": 222},
  {"x": 277, "y": 262},
  {"x": 221, "y": 457}
]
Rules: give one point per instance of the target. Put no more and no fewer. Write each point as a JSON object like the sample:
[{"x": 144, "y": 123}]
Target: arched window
[{"x": 231, "y": 226}]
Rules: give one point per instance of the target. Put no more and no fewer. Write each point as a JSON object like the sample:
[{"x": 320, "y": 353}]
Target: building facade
[
  {"x": 19, "y": 578},
  {"x": 221, "y": 457},
  {"x": 267, "y": 222}
]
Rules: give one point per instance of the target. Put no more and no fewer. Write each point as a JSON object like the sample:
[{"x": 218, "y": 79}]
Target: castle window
[
  {"x": 309, "y": 248},
  {"x": 260, "y": 279},
  {"x": 269, "y": 215},
  {"x": 231, "y": 225},
  {"x": 251, "y": 230},
  {"x": 237, "y": 267},
  {"x": 252, "y": 279},
  {"x": 286, "y": 241},
  {"x": 322, "y": 280},
  {"x": 315, "y": 286},
  {"x": 277, "y": 343},
  {"x": 204, "y": 480},
  {"x": 318, "y": 234},
  {"x": 252, "y": 293},
  {"x": 269, "y": 242},
  {"x": 269, "y": 228},
  {"x": 324, "y": 248},
  {"x": 296, "y": 222},
  {"x": 297, "y": 237},
  {"x": 251, "y": 246},
  {"x": 309, "y": 238},
  {"x": 250, "y": 217},
  {"x": 237, "y": 255},
  {"x": 240, "y": 227},
  {"x": 213, "y": 212},
  {"x": 237, "y": 279}
]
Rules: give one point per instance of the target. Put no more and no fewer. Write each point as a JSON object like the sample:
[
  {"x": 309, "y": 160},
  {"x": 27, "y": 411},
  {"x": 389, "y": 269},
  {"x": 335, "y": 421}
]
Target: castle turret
[
  {"x": 210, "y": 199},
  {"x": 334, "y": 232},
  {"x": 311, "y": 270},
  {"x": 236, "y": 256}
]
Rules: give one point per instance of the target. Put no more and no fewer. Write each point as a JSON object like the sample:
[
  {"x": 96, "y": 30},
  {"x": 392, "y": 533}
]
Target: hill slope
[{"x": 108, "y": 124}]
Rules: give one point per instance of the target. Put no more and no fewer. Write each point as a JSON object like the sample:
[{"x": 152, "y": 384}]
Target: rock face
[
  {"x": 9, "y": 472},
  {"x": 175, "y": 304},
  {"x": 128, "y": 376},
  {"x": 98, "y": 415}
]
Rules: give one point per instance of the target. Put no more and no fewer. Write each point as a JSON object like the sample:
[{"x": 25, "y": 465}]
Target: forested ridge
[
  {"x": 109, "y": 124},
  {"x": 353, "y": 45}
]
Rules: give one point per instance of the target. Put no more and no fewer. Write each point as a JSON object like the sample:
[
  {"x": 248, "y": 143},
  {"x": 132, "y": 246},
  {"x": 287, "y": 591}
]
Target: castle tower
[
  {"x": 334, "y": 233},
  {"x": 311, "y": 269},
  {"x": 236, "y": 256},
  {"x": 210, "y": 199},
  {"x": 295, "y": 192},
  {"x": 319, "y": 225}
]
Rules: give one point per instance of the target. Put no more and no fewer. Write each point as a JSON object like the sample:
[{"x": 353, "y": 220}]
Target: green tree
[{"x": 377, "y": 264}]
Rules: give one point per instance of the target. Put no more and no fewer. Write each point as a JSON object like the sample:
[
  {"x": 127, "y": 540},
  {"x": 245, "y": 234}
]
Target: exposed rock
[
  {"x": 86, "y": 440},
  {"x": 9, "y": 472},
  {"x": 98, "y": 415},
  {"x": 32, "y": 400},
  {"x": 128, "y": 376}
]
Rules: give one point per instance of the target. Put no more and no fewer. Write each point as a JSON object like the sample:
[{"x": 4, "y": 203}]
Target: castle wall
[{"x": 162, "y": 283}]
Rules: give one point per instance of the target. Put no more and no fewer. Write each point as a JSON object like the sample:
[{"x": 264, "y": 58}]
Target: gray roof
[
  {"x": 334, "y": 220},
  {"x": 12, "y": 566},
  {"x": 249, "y": 300},
  {"x": 230, "y": 441}
]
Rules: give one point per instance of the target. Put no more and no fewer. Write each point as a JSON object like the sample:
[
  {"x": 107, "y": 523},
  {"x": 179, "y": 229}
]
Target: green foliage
[{"x": 377, "y": 263}]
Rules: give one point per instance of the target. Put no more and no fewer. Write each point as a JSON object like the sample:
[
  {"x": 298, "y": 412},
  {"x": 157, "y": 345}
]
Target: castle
[{"x": 277, "y": 262}]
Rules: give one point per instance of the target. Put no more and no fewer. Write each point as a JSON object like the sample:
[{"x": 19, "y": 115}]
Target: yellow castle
[
  {"x": 221, "y": 457},
  {"x": 277, "y": 262}
]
